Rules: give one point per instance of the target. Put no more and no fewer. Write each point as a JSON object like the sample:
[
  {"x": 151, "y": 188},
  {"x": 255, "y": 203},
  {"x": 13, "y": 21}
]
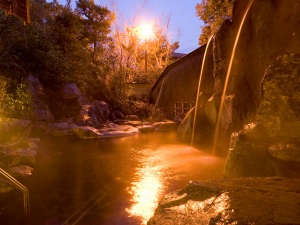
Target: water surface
[{"x": 112, "y": 181}]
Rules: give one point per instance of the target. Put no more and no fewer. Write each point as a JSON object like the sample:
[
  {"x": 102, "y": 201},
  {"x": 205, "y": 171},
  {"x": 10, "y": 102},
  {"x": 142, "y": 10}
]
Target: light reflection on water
[
  {"x": 163, "y": 164},
  {"x": 145, "y": 193}
]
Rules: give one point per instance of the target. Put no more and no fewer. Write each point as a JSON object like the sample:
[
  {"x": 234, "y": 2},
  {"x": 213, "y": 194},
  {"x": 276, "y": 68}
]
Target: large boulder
[
  {"x": 40, "y": 105},
  {"x": 275, "y": 149},
  {"x": 234, "y": 201},
  {"x": 70, "y": 91},
  {"x": 248, "y": 153},
  {"x": 12, "y": 129},
  {"x": 94, "y": 115},
  {"x": 65, "y": 102},
  {"x": 270, "y": 29},
  {"x": 280, "y": 106},
  {"x": 17, "y": 158}
]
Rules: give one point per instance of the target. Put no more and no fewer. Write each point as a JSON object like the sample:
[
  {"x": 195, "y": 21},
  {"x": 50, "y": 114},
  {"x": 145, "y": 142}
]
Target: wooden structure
[
  {"x": 175, "y": 91},
  {"x": 17, "y": 8}
]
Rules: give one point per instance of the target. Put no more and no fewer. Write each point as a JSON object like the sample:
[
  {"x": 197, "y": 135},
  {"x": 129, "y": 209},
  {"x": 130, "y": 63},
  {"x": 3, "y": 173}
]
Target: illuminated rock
[{"x": 232, "y": 201}]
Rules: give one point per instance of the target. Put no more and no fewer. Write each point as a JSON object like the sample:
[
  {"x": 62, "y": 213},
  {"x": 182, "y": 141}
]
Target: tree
[
  {"x": 133, "y": 50},
  {"x": 213, "y": 13}
]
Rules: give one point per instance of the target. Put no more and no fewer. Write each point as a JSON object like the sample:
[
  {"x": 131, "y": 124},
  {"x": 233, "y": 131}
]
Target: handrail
[{"x": 21, "y": 187}]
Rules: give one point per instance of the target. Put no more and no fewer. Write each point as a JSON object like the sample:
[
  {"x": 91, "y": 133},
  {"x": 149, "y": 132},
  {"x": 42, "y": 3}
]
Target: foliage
[
  {"x": 213, "y": 13},
  {"x": 142, "y": 60},
  {"x": 142, "y": 109},
  {"x": 63, "y": 45},
  {"x": 17, "y": 101},
  {"x": 118, "y": 86}
]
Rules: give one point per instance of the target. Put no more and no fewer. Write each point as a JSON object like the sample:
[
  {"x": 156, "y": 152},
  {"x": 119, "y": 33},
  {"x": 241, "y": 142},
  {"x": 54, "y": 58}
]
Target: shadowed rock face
[
  {"x": 271, "y": 28},
  {"x": 237, "y": 201},
  {"x": 271, "y": 147}
]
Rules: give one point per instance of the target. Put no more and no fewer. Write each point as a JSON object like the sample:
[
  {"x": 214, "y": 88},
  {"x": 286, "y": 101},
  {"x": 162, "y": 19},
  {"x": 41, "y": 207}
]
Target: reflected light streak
[{"x": 146, "y": 193}]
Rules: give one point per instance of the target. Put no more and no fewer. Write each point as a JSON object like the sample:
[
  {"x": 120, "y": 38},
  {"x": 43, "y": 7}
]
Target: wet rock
[
  {"x": 211, "y": 109},
  {"x": 232, "y": 201},
  {"x": 18, "y": 153},
  {"x": 120, "y": 131},
  {"x": 134, "y": 123},
  {"x": 12, "y": 129},
  {"x": 61, "y": 129},
  {"x": 117, "y": 131},
  {"x": 166, "y": 126},
  {"x": 286, "y": 152},
  {"x": 184, "y": 131},
  {"x": 248, "y": 153},
  {"x": 146, "y": 128},
  {"x": 20, "y": 171},
  {"x": 86, "y": 132},
  {"x": 280, "y": 107},
  {"x": 273, "y": 150}
]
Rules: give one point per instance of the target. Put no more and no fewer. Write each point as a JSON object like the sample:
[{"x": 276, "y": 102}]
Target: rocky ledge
[{"x": 232, "y": 201}]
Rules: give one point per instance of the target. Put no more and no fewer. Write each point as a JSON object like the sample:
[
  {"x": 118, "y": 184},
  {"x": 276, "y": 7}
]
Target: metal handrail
[{"x": 21, "y": 187}]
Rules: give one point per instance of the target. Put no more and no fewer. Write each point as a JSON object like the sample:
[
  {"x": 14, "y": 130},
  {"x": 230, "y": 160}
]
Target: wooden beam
[{"x": 17, "y": 8}]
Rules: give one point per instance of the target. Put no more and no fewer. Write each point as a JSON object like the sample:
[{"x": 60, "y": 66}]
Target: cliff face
[{"x": 271, "y": 29}]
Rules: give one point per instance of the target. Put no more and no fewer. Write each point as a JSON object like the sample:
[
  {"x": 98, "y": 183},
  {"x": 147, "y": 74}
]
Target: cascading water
[
  {"x": 227, "y": 79},
  {"x": 198, "y": 91}
]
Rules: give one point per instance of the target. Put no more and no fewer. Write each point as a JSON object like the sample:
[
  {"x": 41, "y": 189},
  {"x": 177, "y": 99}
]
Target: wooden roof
[{"x": 17, "y": 8}]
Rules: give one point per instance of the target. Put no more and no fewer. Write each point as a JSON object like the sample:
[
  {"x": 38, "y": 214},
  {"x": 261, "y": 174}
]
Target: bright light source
[{"x": 145, "y": 31}]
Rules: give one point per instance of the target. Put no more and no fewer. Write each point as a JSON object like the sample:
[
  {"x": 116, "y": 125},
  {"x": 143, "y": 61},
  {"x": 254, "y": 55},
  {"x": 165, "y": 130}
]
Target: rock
[
  {"x": 280, "y": 107},
  {"x": 100, "y": 111},
  {"x": 61, "y": 129},
  {"x": 179, "y": 117},
  {"x": 248, "y": 153},
  {"x": 86, "y": 132},
  {"x": 70, "y": 91},
  {"x": 273, "y": 150},
  {"x": 211, "y": 111},
  {"x": 120, "y": 131},
  {"x": 252, "y": 153},
  {"x": 5, "y": 187},
  {"x": 146, "y": 128},
  {"x": 92, "y": 133},
  {"x": 65, "y": 102},
  {"x": 20, "y": 171},
  {"x": 39, "y": 129},
  {"x": 286, "y": 152},
  {"x": 12, "y": 129},
  {"x": 93, "y": 115},
  {"x": 232, "y": 201},
  {"x": 184, "y": 130},
  {"x": 40, "y": 106},
  {"x": 166, "y": 126},
  {"x": 18, "y": 153},
  {"x": 132, "y": 118},
  {"x": 116, "y": 115},
  {"x": 134, "y": 123}
]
